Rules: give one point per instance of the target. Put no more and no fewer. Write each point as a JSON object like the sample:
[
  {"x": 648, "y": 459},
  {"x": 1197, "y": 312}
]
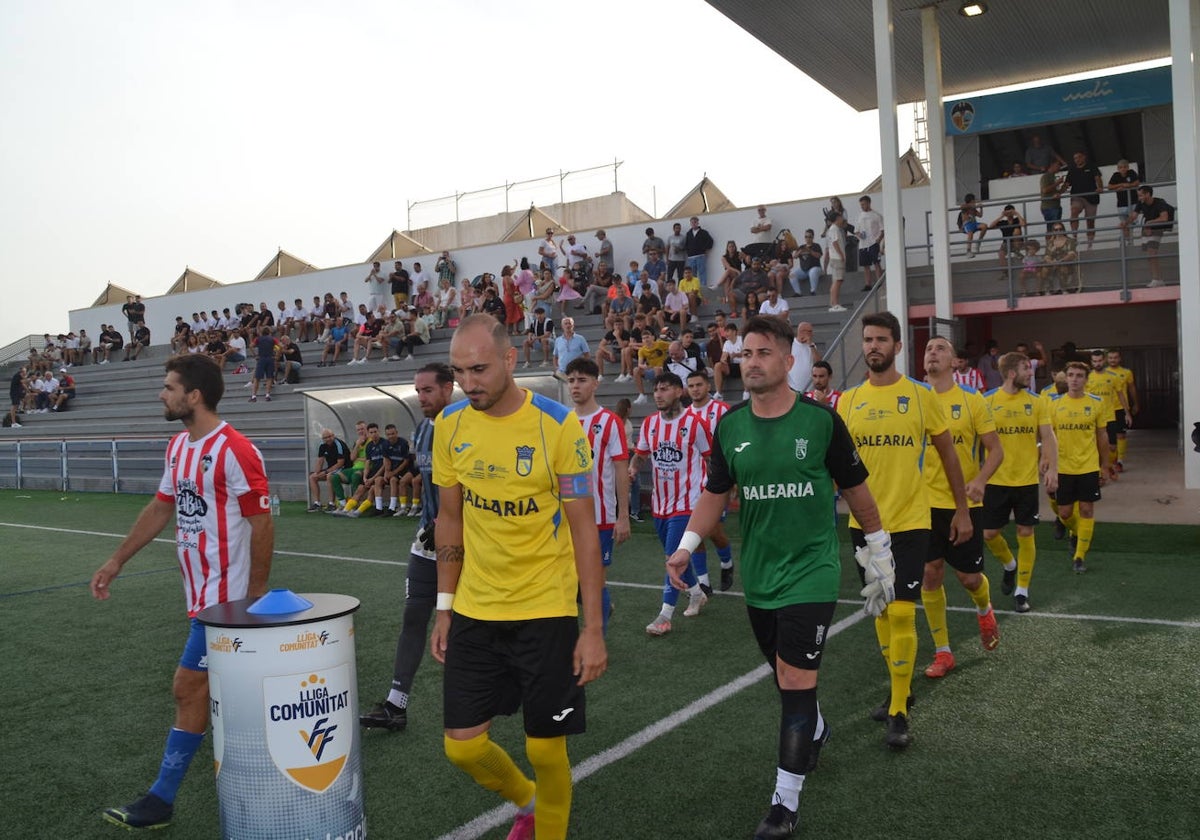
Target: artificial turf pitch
[{"x": 1083, "y": 723}]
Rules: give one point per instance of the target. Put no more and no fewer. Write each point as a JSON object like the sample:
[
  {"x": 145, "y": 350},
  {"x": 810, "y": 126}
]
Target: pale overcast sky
[{"x": 143, "y": 136}]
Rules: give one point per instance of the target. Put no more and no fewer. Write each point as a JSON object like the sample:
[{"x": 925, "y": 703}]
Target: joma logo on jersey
[
  {"x": 189, "y": 503},
  {"x": 524, "y": 460},
  {"x": 956, "y": 411},
  {"x": 902, "y": 404}
]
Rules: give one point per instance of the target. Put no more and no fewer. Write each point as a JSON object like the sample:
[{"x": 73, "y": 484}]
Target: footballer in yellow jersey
[
  {"x": 1080, "y": 420},
  {"x": 515, "y": 531},
  {"x": 892, "y": 420},
  {"x": 1124, "y": 417},
  {"x": 973, "y": 433},
  {"x": 1022, "y": 423}
]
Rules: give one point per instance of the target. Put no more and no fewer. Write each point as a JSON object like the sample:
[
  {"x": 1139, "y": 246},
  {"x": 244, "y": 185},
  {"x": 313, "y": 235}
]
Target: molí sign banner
[{"x": 1058, "y": 103}]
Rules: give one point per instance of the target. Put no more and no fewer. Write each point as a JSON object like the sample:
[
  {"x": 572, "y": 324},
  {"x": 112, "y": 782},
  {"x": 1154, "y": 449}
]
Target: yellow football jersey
[
  {"x": 890, "y": 426},
  {"x": 1076, "y": 421},
  {"x": 1126, "y": 377},
  {"x": 968, "y": 419},
  {"x": 1105, "y": 384},
  {"x": 514, "y": 472},
  {"x": 1017, "y": 418}
]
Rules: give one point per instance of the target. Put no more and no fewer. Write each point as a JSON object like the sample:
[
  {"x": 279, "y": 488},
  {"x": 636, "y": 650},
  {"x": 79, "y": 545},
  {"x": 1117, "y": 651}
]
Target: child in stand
[{"x": 1029, "y": 267}]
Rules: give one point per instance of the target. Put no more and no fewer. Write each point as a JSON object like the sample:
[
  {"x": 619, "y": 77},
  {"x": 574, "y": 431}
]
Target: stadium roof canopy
[{"x": 1015, "y": 42}]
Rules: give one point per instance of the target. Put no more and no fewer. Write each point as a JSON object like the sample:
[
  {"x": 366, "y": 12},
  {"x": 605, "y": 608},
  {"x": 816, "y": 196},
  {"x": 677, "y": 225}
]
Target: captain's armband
[{"x": 577, "y": 486}]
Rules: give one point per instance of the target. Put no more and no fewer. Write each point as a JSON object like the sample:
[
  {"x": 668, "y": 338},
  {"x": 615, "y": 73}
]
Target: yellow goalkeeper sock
[
  {"x": 552, "y": 769},
  {"x": 366, "y": 505},
  {"x": 1087, "y": 527},
  {"x": 491, "y": 767},
  {"x": 883, "y": 632},
  {"x": 1122, "y": 446},
  {"x": 1026, "y": 557},
  {"x": 934, "y": 602}
]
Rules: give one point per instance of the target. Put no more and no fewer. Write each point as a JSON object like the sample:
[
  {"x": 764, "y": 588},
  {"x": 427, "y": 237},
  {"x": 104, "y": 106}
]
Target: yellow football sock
[
  {"x": 366, "y": 505},
  {"x": 883, "y": 632},
  {"x": 1000, "y": 550},
  {"x": 1087, "y": 527},
  {"x": 552, "y": 769},
  {"x": 404, "y": 500},
  {"x": 902, "y": 620},
  {"x": 981, "y": 596},
  {"x": 1122, "y": 445},
  {"x": 1054, "y": 505},
  {"x": 491, "y": 767},
  {"x": 1072, "y": 521},
  {"x": 351, "y": 504},
  {"x": 935, "y": 615},
  {"x": 1026, "y": 557}
]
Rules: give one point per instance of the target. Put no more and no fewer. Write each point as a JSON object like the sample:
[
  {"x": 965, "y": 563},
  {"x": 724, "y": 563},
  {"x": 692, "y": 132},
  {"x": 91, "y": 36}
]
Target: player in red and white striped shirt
[
  {"x": 606, "y": 434},
  {"x": 215, "y": 484},
  {"x": 676, "y": 442},
  {"x": 709, "y": 411},
  {"x": 822, "y": 391},
  {"x": 965, "y": 374}
]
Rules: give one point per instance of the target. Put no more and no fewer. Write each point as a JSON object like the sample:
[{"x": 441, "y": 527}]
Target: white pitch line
[{"x": 501, "y": 814}]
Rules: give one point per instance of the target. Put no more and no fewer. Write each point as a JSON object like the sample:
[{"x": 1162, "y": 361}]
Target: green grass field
[{"x": 1083, "y": 723}]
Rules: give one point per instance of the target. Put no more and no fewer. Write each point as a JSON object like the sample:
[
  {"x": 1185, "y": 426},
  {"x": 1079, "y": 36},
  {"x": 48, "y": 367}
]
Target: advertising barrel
[{"x": 283, "y": 694}]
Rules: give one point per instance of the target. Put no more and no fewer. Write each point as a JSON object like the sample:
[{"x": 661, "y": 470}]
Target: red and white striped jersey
[
  {"x": 606, "y": 434},
  {"x": 215, "y": 483},
  {"x": 710, "y": 413},
  {"x": 676, "y": 449},
  {"x": 971, "y": 377},
  {"x": 834, "y": 396}
]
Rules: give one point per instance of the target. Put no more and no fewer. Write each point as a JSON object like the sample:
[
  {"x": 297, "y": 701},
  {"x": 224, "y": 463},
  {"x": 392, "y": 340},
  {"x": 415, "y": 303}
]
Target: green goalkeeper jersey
[{"x": 785, "y": 469}]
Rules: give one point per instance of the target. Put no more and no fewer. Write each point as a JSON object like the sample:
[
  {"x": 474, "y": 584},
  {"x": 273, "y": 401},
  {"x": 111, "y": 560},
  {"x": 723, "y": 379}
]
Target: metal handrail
[
  {"x": 838, "y": 344},
  {"x": 18, "y": 349}
]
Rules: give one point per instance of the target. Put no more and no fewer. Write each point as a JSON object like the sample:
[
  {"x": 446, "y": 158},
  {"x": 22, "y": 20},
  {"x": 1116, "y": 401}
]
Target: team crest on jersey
[
  {"x": 1028, "y": 409},
  {"x": 524, "y": 460},
  {"x": 956, "y": 411},
  {"x": 902, "y": 404},
  {"x": 1087, "y": 410},
  {"x": 801, "y": 449},
  {"x": 206, "y": 462}
]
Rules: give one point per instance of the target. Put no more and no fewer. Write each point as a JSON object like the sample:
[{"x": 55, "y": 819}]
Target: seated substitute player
[
  {"x": 610, "y": 457},
  {"x": 397, "y": 461},
  {"x": 511, "y": 556},
  {"x": 786, "y": 453},
  {"x": 215, "y": 485},
  {"x": 676, "y": 442},
  {"x": 434, "y": 385},
  {"x": 891, "y": 418},
  {"x": 971, "y": 427},
  {"x": 1022, "y": 422},
  {"x": 363, "y": 500},
  {"x": 1080, "y": 422},
  {"x": 333, "y": 455},
  {"x": 709, "y": 411}
]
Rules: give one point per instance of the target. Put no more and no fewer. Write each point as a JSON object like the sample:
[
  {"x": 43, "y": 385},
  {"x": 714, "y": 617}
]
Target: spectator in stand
[
  {"x": 379, "y": 288},
  {"x": 577, "y": 255},
  {"x": 604, "y": 251},
  {"x": 333, "y": 456},
  {"x": 337, "y": 341},
  {"x": 804, "y": 355},
  {"x": 697, "y": 243},
  {"x": 652, "y": 358},
  {"x": 110, "y": 339},
  {"x": 346, "y": 308},
  {"x": 266, "y": 318},
  {"x": 1040, "y": 157},
  {"x": 1086, "y": 184},
  {"x": 418, "y": 335},
  {"x": 595, "y": 298},
  {"x": 395, "y": 330},
  {"x": 398, "y": 284},
  {"x": 548, "y": 251},
  {"x": 806, "y": 263},
  {"x": 85, "y": 347},
  {"x": 675, "y": 307},
  {"x": 1011, "y": 225},
  {"x": 732, "y": 266},
  {"x": 541, "y": 331},
  {"x": 367, "y": 339},
  {"x": 447, "y": 304},
  {"x": 492, "y": 304},
  {"x": 835, "y": 207},
  {"x": 754, "y": 279},
  {"x": 141, "y": 338},
  {"x": 621, "y": 306},
  {"x": 199, "y": 324},
  {"x": 989, "y": 365},
  {"x": 751, "y": 306},
  {"x": 70, "y": 350},
  {"x": 1158, "y": 218},
  {"x": 676, "y": 252},
  {"x": 969, "y": 222},
  {"x": 446, "y": 269},
  {"x": 45, "y": 387},
  {"x": 283, "y": 319},
  {"x": 467, "y": 299},
  {"x": 64, "y": 392},
  {"x": 762, "y": 233},
  {"x": 216, "y": 348},
  {"x": 837, "y": 260},
  {"x": 265, "y": 346},
  {"x": 566, "y": 292},
  {"x": 16, "y": 396},
  {"x": 134, "y": 311},
  {"x": 291, "y": 359},
  {"x": 179, "y": 340},
  {"x": 692, "y": 349},
  {"x": 870, "y": 242},
  {"x": 237, "y": 351},
  {"x": 691, "y": 286},
  {"x": 652, "y": 243},
  {"x": 632, "y": 276},
  {"x": 527, "y": 284},
  {"x": 314, "y": 320},
  {"x": 1125, "y": 181},
  {"x": 775, "y": 306},
  {"x": 514, "y": 315},
  {"x": 679, "y": 362},
  {"x": 612, "y": 346},
  {"x": 650, "y": 305},
  {"x": 656, "y": 269},
  {"x": 712, "y": 344},
  {"x": 568, "y": 347},
  {"x": 730, "y": 364}
]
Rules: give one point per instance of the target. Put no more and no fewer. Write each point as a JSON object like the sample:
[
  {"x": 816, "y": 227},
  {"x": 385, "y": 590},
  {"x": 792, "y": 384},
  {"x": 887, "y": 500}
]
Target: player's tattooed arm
[{"x": 450, "y": 554}]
